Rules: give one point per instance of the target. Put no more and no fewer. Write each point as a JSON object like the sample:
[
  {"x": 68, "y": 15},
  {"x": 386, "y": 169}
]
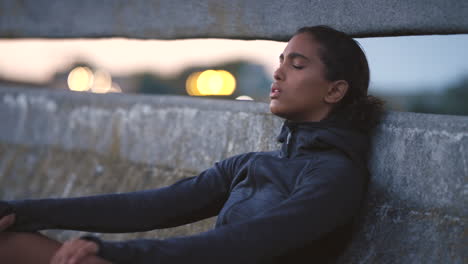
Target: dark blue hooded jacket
[{"x": 294, "y": 205}]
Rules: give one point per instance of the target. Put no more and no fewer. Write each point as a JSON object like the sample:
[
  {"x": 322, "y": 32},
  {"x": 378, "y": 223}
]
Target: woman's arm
[
  {"x": 327, "y": 198},
  {"x": 186, "y": 201}
]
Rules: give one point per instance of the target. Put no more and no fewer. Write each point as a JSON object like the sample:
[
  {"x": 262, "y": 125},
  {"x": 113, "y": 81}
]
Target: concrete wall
[
  {"x": 67, "y": 144},
  {"x": 240, "y": 19},
  {"x": 70, "y": 144}
]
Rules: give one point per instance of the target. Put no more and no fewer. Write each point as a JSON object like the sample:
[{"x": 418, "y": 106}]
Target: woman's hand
[
  {"x": 7, "y": 221},
  {"x": 7, "y": 217},
  {"x": 76, "y": 251}
]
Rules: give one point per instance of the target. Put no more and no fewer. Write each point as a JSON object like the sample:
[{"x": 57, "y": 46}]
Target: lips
[{"x": 275, "y": 91}]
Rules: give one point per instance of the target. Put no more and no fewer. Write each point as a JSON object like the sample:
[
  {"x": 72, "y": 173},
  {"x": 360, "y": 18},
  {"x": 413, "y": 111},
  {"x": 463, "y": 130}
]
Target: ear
[{"x": 336, "y": 91}]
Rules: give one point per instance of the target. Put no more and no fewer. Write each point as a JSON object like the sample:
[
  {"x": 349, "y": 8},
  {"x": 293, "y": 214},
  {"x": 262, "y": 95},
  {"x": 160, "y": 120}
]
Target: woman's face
[{"x": 299, "y": 86}]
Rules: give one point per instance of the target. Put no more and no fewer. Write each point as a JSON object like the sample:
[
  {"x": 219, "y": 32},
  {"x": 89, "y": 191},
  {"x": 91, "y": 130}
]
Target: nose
[{"x": 278, "y": 74}]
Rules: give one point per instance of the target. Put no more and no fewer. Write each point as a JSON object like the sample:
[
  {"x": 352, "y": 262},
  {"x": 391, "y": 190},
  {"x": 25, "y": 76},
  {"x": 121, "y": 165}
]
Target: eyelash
[{"x": 294, "y": 66}]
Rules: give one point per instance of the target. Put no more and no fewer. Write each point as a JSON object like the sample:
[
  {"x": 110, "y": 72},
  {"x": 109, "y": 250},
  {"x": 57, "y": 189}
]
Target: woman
[{"x": 294, "y": 205}]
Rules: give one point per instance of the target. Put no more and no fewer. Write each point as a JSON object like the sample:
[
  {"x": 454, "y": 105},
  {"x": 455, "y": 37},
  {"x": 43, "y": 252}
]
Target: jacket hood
[{"x": 334, "y": 132}]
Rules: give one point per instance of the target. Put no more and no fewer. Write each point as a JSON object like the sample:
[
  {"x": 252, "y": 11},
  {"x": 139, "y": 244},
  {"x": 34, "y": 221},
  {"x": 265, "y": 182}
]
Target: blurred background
[{"x": 427, "y": 74}]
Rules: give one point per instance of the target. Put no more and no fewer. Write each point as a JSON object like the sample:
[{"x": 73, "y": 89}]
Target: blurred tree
[
  {"x": 453, "y": 100},
  {"x": 150, "y": 83}
]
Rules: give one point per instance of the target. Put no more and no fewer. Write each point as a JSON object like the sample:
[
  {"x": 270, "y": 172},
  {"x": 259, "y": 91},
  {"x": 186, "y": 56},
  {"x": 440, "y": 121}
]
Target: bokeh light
[
  {"x": 80, "y": 79},
  {"x": 244, "y": 98},
  {"x": 102, "y": 82},
  {"x": 210, "y": 82},
  {"x": 191, "y": 84},
  {"x": 83, "y": 79}
]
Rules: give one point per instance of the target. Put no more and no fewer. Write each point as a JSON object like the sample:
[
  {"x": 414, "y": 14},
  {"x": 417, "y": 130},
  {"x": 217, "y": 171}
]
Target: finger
[
  {"x": 83, "y": 249},
  {"x": 56, "y": 257},
  {"x": 60, "y": 256},
  {"x": 7, "y": 221},
  {"x": 62, "y": 253},
  {"x": 79, "y": 256},
  {"x": 74, "y": 251},
  {"x": 4, "y": 221}
]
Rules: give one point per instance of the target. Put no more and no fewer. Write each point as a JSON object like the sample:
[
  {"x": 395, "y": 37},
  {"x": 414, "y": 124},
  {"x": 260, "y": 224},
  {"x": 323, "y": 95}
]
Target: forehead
[{"x": 304, "y": 44}]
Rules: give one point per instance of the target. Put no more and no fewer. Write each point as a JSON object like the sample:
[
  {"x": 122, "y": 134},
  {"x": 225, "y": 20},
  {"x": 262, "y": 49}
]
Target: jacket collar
[{"x": 334, "y": 132}]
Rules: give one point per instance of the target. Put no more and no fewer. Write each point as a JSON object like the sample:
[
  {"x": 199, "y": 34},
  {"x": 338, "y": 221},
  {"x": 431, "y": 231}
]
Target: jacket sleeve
[
  {"x": 327, "y": 198},
  {"x": 188, "y": 200}
]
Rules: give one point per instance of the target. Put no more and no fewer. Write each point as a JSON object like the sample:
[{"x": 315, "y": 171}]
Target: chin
[{"x": 274, "y": 109}]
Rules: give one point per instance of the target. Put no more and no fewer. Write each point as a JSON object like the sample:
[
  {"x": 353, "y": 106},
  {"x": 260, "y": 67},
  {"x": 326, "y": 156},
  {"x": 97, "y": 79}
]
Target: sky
[{"x": 398, "y": 64}]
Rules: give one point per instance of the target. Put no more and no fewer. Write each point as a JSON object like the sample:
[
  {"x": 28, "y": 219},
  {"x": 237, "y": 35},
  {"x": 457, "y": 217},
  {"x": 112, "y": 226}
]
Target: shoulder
[
  {"x": 234, "y": 163},
  {"x": 334, "y": 167}
]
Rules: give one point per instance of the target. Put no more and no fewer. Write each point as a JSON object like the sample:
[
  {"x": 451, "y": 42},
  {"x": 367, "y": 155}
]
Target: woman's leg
[{"x": 31, "y": 248}]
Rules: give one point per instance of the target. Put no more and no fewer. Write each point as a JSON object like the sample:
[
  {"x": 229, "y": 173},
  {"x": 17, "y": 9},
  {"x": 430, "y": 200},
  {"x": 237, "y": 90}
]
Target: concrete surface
[
  {"x": 68, "y": 144},
  {"x": 238, "y": 19}
]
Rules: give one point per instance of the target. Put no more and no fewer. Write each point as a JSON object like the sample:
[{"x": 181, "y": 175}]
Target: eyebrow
[{"x": 293, "y": 55}]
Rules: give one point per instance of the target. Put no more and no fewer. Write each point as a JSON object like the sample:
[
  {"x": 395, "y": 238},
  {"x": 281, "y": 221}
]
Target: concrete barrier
[
  {"x": 59, "y": 144},
  {"x": 239, "y": 19},
  {"x": 65, "y": 144}
]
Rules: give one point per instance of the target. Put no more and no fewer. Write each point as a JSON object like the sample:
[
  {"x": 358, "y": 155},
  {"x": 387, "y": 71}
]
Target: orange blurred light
[
  {"x": 80, "y": 79},
  {"x": 191, "y": 84},
  {"x": 102, "y": 82},
  {"x": 210, "y": 82}
]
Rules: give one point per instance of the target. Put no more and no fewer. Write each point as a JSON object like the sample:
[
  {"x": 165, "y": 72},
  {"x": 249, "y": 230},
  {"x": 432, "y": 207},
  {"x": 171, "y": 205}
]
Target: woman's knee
[
  {"x": 26, "y": 248},
  {"x": 32, "y": 248}
]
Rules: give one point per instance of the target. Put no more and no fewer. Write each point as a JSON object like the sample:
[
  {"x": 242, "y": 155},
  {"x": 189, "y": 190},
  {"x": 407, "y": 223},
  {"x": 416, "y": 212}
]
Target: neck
[{"x": 311, "y": 117}]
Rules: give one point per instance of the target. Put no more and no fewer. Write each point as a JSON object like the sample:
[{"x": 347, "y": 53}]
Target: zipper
[{"x": 288, "y": 140}]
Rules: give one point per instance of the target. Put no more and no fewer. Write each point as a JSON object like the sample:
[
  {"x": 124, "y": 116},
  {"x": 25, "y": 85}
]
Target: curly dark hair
[{"x": 345, "y": 60}]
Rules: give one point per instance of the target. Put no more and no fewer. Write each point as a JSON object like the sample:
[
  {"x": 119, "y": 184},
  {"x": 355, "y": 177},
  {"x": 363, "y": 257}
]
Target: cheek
[{"x": 311, "y": 88}]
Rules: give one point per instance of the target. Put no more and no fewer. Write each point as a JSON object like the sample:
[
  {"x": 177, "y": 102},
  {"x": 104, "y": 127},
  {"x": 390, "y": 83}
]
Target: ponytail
[{"x": 364, "y": 113}]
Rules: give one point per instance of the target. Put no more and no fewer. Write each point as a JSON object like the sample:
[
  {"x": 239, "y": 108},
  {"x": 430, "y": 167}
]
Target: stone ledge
[{"x": 274, "y": 20}]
